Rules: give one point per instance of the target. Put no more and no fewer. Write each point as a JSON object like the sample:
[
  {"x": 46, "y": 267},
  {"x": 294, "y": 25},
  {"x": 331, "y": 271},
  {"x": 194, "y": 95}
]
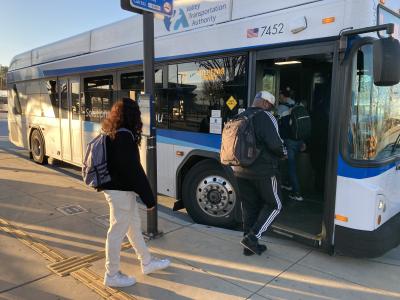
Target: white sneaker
[
  {"x": 286, "y": 187},
  {"x": 296, "y": 196},
  {"x": 118, "y": 280},
  {"x": 154, "y": 265}
]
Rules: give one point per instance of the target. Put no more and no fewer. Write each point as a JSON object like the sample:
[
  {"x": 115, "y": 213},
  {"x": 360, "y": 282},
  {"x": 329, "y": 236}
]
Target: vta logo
[{"x": 176, "y": 21}]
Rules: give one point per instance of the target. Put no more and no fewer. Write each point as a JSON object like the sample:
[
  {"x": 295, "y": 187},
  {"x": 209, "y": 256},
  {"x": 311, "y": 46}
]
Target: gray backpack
[
  {"x": 239, "y": 144},
  {"x": 94, "y": 170}
]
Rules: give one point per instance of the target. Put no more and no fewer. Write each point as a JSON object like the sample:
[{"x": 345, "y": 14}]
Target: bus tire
[
  {"x": 210, "y": 195},
  {"x": 38, "y": 148}
]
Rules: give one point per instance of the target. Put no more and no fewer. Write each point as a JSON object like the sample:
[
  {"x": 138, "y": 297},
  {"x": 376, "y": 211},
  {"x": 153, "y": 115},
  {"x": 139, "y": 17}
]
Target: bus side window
[
  {"x": 16, "y": 106},
  {"x": 201, "y": 90},
  {"x": 98, "y": 92},
  {"x": 75, "y": 100},
  {"x": 132, "y": 85},
  {"x": 52, "y": 96}
]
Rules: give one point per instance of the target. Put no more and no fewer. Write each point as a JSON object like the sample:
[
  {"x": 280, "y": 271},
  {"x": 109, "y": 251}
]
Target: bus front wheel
[
  {"x": 209, "y": 195},
  {"x": 37, "y": 148}
]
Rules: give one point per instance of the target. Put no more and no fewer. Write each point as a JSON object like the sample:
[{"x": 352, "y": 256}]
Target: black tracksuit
[{"x": 258, "y": 184}]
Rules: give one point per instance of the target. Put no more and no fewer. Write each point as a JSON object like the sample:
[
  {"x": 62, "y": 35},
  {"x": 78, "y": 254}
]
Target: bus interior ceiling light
[{"x": 287, "y": 62}]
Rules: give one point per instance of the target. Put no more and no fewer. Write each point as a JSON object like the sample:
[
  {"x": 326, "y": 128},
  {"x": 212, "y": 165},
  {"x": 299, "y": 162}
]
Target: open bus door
[{"x": 307, "y": 70}]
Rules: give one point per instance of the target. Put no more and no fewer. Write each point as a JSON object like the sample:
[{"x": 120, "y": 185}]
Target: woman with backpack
[{"x": 123, "y": 127}]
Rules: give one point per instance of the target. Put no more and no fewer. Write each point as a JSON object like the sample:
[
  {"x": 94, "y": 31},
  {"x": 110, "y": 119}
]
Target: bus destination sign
[{"x": 155, "y": 6}]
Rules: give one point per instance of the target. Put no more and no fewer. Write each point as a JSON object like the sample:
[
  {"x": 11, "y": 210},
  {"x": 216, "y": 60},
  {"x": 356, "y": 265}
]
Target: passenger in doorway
[
  {"x": 128, "y": 180},
  {"x": 258, "y": 183},
  {"x": 293, "y": 146}
]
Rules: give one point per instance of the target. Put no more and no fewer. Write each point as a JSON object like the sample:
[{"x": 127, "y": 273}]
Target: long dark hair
[{"x": 125, "y": 113}]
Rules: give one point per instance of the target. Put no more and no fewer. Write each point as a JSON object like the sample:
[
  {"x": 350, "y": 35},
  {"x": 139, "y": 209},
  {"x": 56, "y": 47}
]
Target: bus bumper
[{"x": 360, "y": 243}]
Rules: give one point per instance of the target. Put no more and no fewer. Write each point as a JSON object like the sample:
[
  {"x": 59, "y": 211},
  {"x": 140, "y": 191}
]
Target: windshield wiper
[{"x": 396, "y": 143}]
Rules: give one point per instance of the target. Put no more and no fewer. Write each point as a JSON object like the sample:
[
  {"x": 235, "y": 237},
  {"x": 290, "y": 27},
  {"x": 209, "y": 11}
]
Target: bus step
[{"x": 297, "y": 234}]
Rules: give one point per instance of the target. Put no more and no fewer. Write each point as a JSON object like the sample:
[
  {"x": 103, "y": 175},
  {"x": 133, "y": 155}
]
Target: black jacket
[
  {"x": 270, "y": 144},
  {"x": 127, "y": 174}
]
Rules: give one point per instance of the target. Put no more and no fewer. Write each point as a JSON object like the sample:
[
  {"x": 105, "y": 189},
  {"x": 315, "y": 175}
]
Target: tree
[{"x": 3, "y": 77}]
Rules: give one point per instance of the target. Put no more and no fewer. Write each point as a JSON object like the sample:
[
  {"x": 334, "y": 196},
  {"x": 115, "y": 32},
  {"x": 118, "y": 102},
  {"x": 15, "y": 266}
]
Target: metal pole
[{"x": 151, "y": 157}]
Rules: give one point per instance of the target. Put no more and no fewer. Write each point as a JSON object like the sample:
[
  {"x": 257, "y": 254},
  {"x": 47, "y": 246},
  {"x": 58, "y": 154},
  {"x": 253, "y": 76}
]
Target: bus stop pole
[{"x": 151, "y": 153}]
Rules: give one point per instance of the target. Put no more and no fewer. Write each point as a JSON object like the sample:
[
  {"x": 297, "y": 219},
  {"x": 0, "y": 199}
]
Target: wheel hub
[
  {"x": 216, "y": 196},
  {"x": 36, "y": 149}
]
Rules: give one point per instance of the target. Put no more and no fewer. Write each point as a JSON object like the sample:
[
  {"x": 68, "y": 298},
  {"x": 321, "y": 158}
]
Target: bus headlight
[{"x": 381, "y": 204}]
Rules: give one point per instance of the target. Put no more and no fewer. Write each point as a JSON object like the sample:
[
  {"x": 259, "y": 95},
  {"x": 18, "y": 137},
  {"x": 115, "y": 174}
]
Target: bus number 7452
[{"x": 272, "y": 29}]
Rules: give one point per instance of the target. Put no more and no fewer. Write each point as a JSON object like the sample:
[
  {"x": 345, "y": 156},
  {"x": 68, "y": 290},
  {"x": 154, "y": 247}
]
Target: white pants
[{"x": 124, "y": 220}]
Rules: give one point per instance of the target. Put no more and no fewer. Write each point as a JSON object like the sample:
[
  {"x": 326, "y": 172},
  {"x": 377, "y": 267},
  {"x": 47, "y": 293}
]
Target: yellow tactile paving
[{"x": 75, "y": 266}]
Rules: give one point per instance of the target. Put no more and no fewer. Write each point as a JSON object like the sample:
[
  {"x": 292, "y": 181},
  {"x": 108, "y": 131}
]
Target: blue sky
[{"x": 26, "y": 24}]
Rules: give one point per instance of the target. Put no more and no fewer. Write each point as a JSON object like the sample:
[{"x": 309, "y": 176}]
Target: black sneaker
[
  {"x": 251, "y": 243},
  {"x": 248, "y": 252},
  {"x": 296, "y": 197}
]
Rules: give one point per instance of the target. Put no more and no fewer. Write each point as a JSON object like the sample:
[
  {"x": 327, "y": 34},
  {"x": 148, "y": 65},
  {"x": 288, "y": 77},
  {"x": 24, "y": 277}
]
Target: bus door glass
[
  {"x": 76, "y": 136},
  {"x": 98, "y": 98},
  {"x": 267, "y": 79},
  {"x": 70, "y": 131},
  {"x": 65, "y": 131}
]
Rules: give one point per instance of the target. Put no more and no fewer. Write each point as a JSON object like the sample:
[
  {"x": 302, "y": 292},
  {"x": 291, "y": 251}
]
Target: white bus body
[{"x": 258, "y": 31}]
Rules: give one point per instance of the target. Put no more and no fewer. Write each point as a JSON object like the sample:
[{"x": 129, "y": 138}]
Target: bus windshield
[{"x": 375, "y": 113}]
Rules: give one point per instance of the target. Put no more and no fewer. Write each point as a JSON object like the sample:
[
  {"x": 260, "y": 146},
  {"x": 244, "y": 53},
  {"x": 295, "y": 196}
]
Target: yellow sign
[
  {"x": 231, "y": 102},
  {"x": 212, "y": 74}
]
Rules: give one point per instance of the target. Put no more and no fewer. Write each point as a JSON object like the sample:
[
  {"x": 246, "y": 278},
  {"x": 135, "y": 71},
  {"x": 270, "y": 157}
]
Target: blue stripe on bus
[
  {"x": 212, "y": 142},
  {"x": 346, "y": 170},
  {"x": 204, "y": 141},
  {"x": 91, "y": 126},
  {"x": 65, "y": 71}
]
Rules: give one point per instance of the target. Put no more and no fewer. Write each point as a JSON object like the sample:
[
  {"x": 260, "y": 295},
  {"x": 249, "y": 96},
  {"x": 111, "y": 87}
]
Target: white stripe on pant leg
[
  {"x": 275, "y": 212},
  {"x": 276, "y": 193},
  {"x": 271, "y": 216}
]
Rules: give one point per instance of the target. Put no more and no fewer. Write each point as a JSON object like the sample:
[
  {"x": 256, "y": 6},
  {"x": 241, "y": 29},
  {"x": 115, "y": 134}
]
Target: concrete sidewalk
[{"x": 207, "y": 263}]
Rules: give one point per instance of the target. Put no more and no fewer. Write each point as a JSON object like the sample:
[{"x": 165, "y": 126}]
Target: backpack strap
[
  {"x": 289, "y": 105},
  {"x": 253, "y": 114},
  {"x": 122, "y": 129}
]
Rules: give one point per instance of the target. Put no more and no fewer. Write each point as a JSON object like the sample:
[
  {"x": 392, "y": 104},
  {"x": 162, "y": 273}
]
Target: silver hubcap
[
  {"x": 216, "y": 196},
  {"x": 36, "y": 147}
]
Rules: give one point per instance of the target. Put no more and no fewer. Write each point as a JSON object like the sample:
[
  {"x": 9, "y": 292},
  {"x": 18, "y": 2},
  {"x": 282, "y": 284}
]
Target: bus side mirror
[{"x": 386, "y": 61}]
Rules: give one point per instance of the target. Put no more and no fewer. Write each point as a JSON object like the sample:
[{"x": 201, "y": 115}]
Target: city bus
[{"x": 211, "y": 59}]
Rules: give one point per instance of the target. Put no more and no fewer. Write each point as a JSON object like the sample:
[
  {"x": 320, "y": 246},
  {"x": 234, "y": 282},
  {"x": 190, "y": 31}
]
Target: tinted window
[
  {"x": 196, "y": 89},
  {"x": 75, "y": 100},
  {"x": 51, "y": 86},
  {"x": 16, "y": 105},
  {"x": 132, "y": 85},
  {"x": 64, "y": 98},
  {"x": 98, "y": 93}
]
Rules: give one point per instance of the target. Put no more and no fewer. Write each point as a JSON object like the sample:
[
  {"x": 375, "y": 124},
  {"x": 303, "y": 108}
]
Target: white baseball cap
[{"x": 266, "y": 96}]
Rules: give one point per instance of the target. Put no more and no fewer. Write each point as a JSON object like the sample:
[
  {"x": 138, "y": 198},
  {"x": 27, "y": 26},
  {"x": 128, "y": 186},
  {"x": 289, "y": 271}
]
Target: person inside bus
[
  {"x": 128, "y": 180},
  {"x": 258, "y": 185},
  {"x": 286, "y": 103}
]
